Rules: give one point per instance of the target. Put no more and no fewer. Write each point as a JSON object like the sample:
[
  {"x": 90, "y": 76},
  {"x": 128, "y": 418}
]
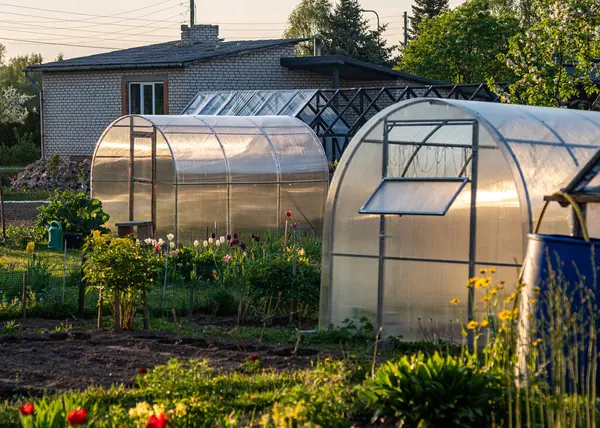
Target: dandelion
[
  {"x": 148, "y": 241},
  {"x": 197, "y": 243},
  {"x": 486, "y": 298},
  {"x": 472, "y": 325},
  {"x": 454, "y": 301},
  {"x": 485, "y": 323},
  {"x": 211, "y": 241},
  {"x": 30, "y": 248},
  {"x": 505, "y": 315},
  {"x": 170, "y": 236},
  {"x": 180, "y": 410},
  {"x": 27, "y": 409},
  {"x": 227, "y": 258},
  {"x": 205, "y": 244},
  {"x": 222, "y": 239},
  {"x": 288, "y": 213}
]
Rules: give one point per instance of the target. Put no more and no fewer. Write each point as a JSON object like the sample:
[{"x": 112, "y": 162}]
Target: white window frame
[{"x": 142, "y": 84}]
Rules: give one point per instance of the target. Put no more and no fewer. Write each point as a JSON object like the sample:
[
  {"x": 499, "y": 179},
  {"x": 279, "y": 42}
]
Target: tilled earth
[{"x": 33, "y": 362}]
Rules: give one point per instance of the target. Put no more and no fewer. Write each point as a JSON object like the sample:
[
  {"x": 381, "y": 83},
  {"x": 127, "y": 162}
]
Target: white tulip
[
  {"x": 172, "y": 245},
  {"x": 153, "y": 242},
  {"x": 196, "y": 243},
  {"x": 205, "y": 244},
  {"x": 210, "y": 240},
  {"x": 170, "y": 236},
  {"x": 222, "y": 239},
  {"x": 160, "y": 242},
  {"x": 218, "y": 243},
  {"x": 137, "y": 242},
  {"x": 148, "y": 241}
]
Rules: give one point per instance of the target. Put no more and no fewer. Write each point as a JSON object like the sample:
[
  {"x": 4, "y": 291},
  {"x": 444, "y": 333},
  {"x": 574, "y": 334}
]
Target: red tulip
[
  {"x": 288, "y": 213},
  {"x": 77, "y": 417},
  {"x": 253, "y": 358},
  {"x": 160, "y": 422},
  {"x": 142, "y": 371},
  {"x": 295, "y": 225},
  {"x": 27, "y": 409}
]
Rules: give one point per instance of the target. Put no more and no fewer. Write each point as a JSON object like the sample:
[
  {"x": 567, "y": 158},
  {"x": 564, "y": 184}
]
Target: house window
[{"x": 146, "y": 98}]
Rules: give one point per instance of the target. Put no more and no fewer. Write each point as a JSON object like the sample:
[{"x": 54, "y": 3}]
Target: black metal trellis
[{"x": 336, "y": 115}]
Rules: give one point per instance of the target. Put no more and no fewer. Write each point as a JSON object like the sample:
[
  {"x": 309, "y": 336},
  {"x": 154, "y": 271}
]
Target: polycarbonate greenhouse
[
  {"x": 197, "y": 174},
  {"x": 429, "y": 192}
]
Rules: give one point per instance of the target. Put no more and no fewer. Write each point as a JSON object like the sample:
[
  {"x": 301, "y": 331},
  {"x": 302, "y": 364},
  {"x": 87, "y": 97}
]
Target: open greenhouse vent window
[
  {"x": 414, "y": 196},
  {"x": 587, "y": 180}
]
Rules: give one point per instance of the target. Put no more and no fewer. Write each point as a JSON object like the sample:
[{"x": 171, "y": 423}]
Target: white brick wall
[{"x": 78, "y": 106}]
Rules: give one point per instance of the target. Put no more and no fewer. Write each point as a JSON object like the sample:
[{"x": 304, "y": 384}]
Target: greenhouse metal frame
[
  {"x": 429, "y": 192},
  {"x": 196, "y": 175}
]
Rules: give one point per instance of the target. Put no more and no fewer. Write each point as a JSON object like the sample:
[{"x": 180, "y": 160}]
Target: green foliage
[
  {"x": 77, "y": 212},
  {"x": 52, "y": 413},
  {"x": 22, "y": 152},
  {"x": 553, "y": 60},
  {"x": 461, "y": 45},
  {"x": 347, "y": 33},
  {"x": 122, "y": 270},
  {"x": 21, "y": 235},
  {"x": 434, "y": 391},
  {"x": 425, "y": 9},
  {"x": 307, "y": 19}
]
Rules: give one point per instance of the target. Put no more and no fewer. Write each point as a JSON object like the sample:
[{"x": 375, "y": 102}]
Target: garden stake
[
  {"x": 2, "y": 213},
  {"x": 146, "y": 315},
  {"x": 175, "y": 322},
  {"x": 164, "y": 296},
  {"x": 117, "y": 314},
  {"x": 24, "y": 297},
  {"x": 100, "y": 309},
  {"x": 297, "y": 346},
  {"x": 375, "y": 351},
  {"x": 285, "y": 236}
]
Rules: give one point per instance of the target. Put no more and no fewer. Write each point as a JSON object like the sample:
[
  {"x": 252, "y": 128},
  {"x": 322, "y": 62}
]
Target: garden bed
[{"x": 77, "y": 358}]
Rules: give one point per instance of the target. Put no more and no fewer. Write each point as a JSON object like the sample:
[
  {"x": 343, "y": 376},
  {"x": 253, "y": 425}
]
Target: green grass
[{"x": 13, "y": 254}]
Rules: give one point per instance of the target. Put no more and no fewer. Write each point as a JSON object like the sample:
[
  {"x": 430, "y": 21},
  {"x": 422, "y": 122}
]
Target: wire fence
[{"x": 40, "y": 290}]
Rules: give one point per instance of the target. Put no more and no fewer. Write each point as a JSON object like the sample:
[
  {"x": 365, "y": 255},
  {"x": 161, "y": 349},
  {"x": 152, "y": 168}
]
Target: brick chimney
[{"x": 199, "y": 34}]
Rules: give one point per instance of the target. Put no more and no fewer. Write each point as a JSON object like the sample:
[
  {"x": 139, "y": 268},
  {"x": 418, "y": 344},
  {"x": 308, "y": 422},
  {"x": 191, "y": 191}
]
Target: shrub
[
  {"x": 77, "y": 213},
  {"x": 25, "y": 151},
  {"x": 122, "y": 270},
  {"x": 433, "y": 391}
]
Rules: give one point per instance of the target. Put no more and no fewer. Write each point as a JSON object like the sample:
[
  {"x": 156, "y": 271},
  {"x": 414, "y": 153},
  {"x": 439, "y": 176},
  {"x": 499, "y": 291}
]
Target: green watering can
[{"x": 55, "y": 236}]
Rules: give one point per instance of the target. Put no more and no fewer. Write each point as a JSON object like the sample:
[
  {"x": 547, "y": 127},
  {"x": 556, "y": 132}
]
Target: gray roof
[{"x": 169, "y": 54}]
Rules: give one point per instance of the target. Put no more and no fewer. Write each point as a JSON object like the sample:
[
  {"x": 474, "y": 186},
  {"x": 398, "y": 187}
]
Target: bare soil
[{"x": 33, "y": 362}]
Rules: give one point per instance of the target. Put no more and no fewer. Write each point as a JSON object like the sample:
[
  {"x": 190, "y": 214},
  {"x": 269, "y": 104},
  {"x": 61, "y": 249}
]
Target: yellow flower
[
  {"x": 159, "y": 409},
  {"x": 472, "y": 324},
  {"x": 483, "y": 271},
  {"x": 30, "y": 248},
  {"x": 486, "y": 298},
  {"x": 492, "y": 270},
  {"x": 454, "y": 301},
  {"x": 472, "y": 280},
  {"x": 485, "y": 323},
  {"x": 510, "y": 298},
  {"x": 180, "y": 410},
  {"x": 494, "y": 290},
  {"x": 536, "y": 342},
  {"x": 532, "y": 301},
  {"x": 141, "y": 410},
  {"x": 516, "y": 311},
  {"x": 505, "y": 315}
]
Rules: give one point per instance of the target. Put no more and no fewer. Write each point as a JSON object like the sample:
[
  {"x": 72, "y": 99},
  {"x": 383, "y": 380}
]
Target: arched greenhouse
[
  {"x": 196, "y": 174},
  {"x": 432, "y": 190}
]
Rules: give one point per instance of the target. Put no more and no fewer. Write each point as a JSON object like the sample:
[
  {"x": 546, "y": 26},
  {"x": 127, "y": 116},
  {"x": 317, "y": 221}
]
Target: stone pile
[{"x": 54, "y": 174}]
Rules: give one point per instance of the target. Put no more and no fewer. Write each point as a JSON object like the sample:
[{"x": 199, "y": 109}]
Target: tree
[
  {"x": 425, "y": 9},
  {"x": 554, "y": 60},
  {"x": 347, "y": 33},
  {"x": 12, "y": 106},
  {"x": 12, "y": 74},
  {"x": 306, "y": 20},
  {"x": 461, "y": 45}
]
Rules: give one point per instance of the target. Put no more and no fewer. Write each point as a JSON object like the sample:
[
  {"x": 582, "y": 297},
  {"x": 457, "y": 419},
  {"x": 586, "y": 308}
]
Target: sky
[{"x": 84, "y": 27}]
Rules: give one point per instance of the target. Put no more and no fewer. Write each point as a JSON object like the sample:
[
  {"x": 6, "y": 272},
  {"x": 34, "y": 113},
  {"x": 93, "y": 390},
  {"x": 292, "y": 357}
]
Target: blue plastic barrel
[{"x": 569, "y": 262}]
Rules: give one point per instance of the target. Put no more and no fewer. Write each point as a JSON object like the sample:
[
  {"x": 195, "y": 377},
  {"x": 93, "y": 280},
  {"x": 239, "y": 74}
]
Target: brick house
[{"x": 82, "y": 96}]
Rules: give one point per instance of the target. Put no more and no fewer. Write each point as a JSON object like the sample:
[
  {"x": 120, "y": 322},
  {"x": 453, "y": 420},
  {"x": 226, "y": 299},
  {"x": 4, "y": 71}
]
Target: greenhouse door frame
[
  {"x": 389, "y": 125},
  {"x": 133, "y": 134}
]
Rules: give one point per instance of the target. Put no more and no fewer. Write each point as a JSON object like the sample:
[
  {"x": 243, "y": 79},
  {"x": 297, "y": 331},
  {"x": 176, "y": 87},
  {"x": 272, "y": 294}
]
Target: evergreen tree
[
  {"x": 347, "y": 33},
  {"x": 425, "y": 9}
]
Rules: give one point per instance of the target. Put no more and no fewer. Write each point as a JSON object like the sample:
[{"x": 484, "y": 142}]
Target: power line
[
  {"x": 87, "y": 14},
  {"x": 64, "y": 36},
  {"x": 57, "y": 44}
]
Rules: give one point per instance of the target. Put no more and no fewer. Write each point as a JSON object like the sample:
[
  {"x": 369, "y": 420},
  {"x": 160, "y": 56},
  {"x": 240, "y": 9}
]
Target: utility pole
[
  {"x": 405, "y": 28},
  {"x": 192, "y": 7}
]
